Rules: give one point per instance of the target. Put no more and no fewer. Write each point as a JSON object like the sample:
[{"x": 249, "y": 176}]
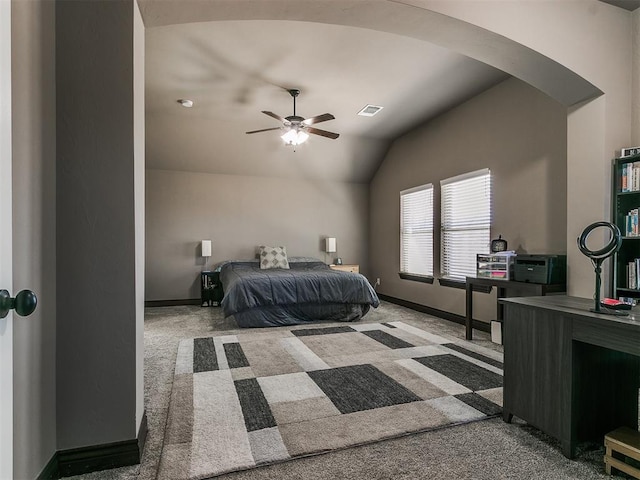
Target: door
[{"x": 6, "y": 263}]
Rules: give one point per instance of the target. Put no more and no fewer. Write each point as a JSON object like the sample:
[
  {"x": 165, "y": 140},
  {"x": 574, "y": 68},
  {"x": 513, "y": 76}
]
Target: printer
[{"x": 544, "y": 269}]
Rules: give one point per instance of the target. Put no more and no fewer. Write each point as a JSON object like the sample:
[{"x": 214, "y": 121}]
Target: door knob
[{"x": 24, "y": 303}]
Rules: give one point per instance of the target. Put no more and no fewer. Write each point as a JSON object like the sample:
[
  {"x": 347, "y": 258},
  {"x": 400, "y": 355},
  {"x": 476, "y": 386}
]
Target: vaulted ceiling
[{"x": 232, "y": 68}]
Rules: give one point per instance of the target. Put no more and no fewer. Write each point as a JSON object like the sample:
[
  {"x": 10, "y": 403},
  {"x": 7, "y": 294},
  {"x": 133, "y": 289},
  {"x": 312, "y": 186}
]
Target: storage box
[
  {"x": 495, "y": 265},
  {"x": 496, "y": 332}
]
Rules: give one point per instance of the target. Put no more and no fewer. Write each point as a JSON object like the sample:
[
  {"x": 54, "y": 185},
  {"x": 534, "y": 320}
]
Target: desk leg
[
  {"x": 501, "y": 293},
  {"x": 468, "y": 323}
]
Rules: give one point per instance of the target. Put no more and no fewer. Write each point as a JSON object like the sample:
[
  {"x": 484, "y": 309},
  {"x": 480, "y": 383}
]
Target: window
[
  {"x": 416, "y": 231},
  {"x": 466, "y": 222}
]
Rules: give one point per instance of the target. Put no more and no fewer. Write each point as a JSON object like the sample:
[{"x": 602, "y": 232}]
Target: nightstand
[
  {"x": 210, "y": 289},
  {"x": 346, "y": 268}
]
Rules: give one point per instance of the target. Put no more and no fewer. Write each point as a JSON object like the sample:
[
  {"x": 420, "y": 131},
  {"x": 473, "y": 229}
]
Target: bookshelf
[{"x": 626, "y": 204}]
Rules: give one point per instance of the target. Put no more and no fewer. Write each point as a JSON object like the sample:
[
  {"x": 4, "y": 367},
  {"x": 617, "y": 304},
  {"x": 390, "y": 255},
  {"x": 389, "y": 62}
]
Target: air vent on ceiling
[{"x": 369, "y": 110}]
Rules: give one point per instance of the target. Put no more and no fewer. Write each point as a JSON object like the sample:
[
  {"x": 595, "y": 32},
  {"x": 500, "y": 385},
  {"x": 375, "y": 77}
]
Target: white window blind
[
  {"x": 466, "y": 222},
  {"x": 416, "y": 230}
]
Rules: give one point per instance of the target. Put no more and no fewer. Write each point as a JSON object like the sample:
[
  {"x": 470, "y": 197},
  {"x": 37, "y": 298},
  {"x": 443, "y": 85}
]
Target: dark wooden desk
[
  {"x": 506, "y": 288},
  {"x": 569, "y": 372}
]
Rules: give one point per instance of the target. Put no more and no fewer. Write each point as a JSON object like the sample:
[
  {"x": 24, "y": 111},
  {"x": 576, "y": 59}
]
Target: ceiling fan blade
[
  {"x": 274, "y": 115},
  {"x": 322, "y": 133},
  {"x": 264, "y": 130},
  {"x": 319, "y": 118}
]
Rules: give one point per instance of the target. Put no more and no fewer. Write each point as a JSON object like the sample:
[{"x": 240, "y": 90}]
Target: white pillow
[{"x": 273, "y": 257}]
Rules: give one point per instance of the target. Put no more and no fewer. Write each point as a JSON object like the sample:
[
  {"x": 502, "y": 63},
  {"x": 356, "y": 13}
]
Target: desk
[
  {"x": 506, "y": 288},
  {"x": 569, "y": 372}
]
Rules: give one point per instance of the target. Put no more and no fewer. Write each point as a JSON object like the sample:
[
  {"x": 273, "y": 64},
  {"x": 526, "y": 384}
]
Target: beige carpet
[{"x": 267, "y": 396}]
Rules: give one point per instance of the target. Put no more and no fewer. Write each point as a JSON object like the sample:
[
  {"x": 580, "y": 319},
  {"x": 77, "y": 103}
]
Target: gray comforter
[{"x": 246, "y": 286}]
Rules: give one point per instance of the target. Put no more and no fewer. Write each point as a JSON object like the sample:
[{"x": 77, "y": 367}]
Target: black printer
[{"x": 544, "y": 269}]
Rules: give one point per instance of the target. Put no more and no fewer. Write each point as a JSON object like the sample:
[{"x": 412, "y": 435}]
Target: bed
[{"x": 308, "y": 291}]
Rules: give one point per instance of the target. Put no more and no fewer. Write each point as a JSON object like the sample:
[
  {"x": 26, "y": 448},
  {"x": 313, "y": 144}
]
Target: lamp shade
[
  {"x": 206, "y": 248},
  {"x": 330, "y": 245}
]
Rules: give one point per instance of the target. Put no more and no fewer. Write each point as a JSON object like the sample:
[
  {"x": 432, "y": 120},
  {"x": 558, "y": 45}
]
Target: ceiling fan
[{"x": 297, "y": 128}]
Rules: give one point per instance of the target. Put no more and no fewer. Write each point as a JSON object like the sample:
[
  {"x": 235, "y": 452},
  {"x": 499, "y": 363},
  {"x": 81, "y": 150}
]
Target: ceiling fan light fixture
[
  {"x": 295, "y": 137},
  {"x": 297, "y": 128}
]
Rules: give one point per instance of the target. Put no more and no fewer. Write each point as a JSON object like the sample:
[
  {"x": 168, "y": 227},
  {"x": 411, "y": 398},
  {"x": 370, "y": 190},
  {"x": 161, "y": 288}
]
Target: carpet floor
[{"x": 488, "y": 449}]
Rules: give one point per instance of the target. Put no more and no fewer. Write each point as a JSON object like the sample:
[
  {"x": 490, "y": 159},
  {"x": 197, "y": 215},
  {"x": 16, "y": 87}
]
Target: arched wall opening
[{"x": 548, "y": 45}]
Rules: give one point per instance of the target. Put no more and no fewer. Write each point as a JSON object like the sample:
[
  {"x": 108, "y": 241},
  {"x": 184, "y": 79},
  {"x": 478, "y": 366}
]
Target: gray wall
[
  {"x": 238, "y": 213},
  {"x": 97, "y": 344},
  {"x": 34, "y": 230},
  {"x": 138, "y": 185},
  {"x": 512, "y": 129}
]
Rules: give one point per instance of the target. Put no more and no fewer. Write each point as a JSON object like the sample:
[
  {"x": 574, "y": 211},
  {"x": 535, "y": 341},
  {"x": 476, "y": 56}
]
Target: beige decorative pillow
[{"x": 273, "y": 257}]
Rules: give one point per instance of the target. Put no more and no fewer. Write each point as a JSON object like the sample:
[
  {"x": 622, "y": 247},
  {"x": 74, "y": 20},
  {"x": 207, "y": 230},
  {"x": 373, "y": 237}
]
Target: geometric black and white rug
[{"x": 270, "y": 395}]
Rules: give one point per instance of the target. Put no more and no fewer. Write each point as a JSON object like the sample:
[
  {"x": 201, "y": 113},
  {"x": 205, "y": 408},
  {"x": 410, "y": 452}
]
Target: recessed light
[
  {"x": 370, "y": 110},
  {"x": 185, "y": 103}
]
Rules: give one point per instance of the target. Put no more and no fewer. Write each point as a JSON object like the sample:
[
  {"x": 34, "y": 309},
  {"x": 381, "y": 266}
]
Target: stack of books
[
  {"x": 631, "y": 223},
  {"x": 630, "y": 179},
  {"x": 633, "y": 274}
]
